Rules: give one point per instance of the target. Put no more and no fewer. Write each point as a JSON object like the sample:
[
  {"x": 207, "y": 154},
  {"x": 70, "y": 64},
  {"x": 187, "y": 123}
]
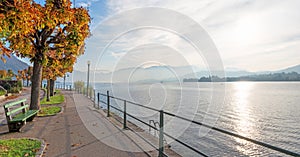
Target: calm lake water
[{"x": 264, "y": 111}]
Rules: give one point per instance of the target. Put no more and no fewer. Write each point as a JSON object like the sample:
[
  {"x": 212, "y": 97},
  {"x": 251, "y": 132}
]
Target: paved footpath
[{"x": 80, "y": 131}]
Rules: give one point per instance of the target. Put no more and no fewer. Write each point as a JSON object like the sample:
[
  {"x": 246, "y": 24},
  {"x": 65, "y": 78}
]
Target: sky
[{"x": 253, "y": 35}]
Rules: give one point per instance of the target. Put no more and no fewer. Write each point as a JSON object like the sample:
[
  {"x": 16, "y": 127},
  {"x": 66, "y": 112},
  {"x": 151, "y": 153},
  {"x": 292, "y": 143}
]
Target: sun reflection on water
[{"x": 244, "y": 125}]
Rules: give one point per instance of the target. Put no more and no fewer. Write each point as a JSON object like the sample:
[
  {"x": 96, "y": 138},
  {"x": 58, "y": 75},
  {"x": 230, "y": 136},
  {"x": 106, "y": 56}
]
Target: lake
[{"x": 264, "y": 111}]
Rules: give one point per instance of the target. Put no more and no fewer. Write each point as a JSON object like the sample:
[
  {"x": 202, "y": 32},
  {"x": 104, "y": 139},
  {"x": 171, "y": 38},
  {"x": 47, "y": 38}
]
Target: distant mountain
[
  {"x": 295, "y": 68},
  {"x": 13, "y": 63},
  {"x": 234, "y": 72},
  {"x": 228, "y": 73},
  {"x": 163, "y": 74},
  {"x": 149, "y": 74}
]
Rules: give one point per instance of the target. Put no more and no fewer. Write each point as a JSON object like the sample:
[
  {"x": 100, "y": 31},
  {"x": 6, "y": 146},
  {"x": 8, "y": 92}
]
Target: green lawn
[
  {"x": 49, "y": 111},
  {"x": 56, "y": 99},
  {"x": 19, "y": 147}
]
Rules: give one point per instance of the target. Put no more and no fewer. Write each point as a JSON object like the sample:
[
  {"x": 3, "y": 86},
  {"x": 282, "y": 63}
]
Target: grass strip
[
  {"x": 19, "y": 147},
  {"x": 49, "y": 111},
  {"x": 58, "y": 98}
]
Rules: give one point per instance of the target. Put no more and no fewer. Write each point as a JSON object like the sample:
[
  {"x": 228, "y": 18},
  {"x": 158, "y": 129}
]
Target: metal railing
[
  {"x": 161, "y": 132},
  {"x": 66, "y": 87}
]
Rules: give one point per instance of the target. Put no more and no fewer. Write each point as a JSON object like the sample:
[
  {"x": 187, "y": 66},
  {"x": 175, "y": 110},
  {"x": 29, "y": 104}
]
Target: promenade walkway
[{"x": 82, "y": 130}]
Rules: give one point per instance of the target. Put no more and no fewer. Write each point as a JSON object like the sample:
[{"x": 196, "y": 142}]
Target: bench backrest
[
  {"x": 13, "y": 103},
  {"x": 23, "y": 107}
]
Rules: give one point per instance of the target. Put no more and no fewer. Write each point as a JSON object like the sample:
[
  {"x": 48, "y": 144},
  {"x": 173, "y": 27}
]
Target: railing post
[
  {"x": 94, "y": 96},
  {"x": 161, "y": 133},
  {"x": 125, "y": 115},
  {"x": 108, "y": 105},
  {"x": 98, "y": 96},
  {"x": 87, "y": 93}
]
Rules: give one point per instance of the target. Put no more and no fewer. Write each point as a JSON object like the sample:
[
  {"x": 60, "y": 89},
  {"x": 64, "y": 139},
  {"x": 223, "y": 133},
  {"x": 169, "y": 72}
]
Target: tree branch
[
  {"x": 37, "y": 38},
  {"x": 56, "y": 48},
  {"x": 32, "y": 41},
  {"x": 57, "y": 37}
]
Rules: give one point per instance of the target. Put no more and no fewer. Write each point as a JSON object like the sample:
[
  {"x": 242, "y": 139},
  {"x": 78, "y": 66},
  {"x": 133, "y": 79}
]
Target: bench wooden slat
[
  {"x": 14, "y": 103},
  {"x": 24, "y": 116},
  {"x": 16, "y": 110}
]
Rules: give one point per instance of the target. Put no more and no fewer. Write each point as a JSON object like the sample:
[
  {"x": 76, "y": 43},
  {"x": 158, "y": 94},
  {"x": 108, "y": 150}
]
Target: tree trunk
[
  {"x": 52, "y": 82},
  {"x": 48, "y": 90},
  {"x": 36, "y": 85}
]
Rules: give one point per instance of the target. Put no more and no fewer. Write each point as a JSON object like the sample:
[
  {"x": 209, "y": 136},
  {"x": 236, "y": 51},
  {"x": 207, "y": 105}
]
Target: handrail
[
  {"x": 278, "y": 149},
  {"x": 134, "y": 103},
  {"x": 133, "y": 130}
]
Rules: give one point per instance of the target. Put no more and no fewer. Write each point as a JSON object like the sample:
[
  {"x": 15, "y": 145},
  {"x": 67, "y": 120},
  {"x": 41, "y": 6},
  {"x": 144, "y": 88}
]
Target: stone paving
[{"x": 81, "y": 130}]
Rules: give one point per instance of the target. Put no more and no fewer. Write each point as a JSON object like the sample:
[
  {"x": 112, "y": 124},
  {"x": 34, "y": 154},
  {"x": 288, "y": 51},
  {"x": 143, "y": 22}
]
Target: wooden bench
[{"x": 17, "y": 116}]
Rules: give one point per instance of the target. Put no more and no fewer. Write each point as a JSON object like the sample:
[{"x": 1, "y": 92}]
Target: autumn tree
[
  {"x": 36, "y": 31},
  {"x": 57, "y": 66},
  {"x": 21, "y": 75},
  {"x": 24, "y": 75},
  {"x": 3, "y": 74},
  {"x": 8, "y": 74},
  {"x": 28, "y": 75}
]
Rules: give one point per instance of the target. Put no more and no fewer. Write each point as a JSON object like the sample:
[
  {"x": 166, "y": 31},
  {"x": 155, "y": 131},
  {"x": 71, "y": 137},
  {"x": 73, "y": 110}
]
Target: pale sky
[{"x": 253, "y": 35}]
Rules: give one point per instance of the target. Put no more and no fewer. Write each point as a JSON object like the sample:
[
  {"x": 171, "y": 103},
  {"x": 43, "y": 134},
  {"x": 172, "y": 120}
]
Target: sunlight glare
[
  {"x": 244, "y": 126},
  {"x": 247, "y": 30}
]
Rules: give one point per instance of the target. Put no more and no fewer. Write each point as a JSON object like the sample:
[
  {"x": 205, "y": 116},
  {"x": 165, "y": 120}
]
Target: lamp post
[
  {"x": 88, "y": 78},
  {"x": 64, "y": 85},
  {"x": 64, "y": 81}
]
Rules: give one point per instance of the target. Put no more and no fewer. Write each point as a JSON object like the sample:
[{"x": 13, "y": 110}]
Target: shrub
[
  {"x": 19, "y": 84},
  {"x": 2, "y": 92},
  {"x": 78, "y": 85},
  {"x": 15, "y": 90},
  {"x": 7, "y": 87},
  {"x": 11, "y": 86}
]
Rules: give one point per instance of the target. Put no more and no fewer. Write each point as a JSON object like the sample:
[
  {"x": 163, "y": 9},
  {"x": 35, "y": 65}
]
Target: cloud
[
  {"x": 241, "y": 30},
  {"x": 118, "y": 55},
  {"x": 129, "y": 41},
  {"x": 83, "y": 4}
]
